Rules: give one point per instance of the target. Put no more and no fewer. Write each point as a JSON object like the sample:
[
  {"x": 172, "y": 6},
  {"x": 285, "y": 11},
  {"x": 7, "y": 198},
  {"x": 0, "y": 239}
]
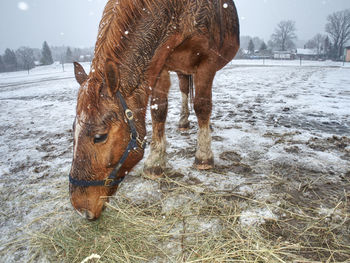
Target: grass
[{"x": 199, "y": 227}]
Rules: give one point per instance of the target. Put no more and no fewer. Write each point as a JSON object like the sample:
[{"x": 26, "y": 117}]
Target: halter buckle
[
  {"x": 108, "y": 182},
  {"x": 129, "y": 114},
  {"x": 136, "y": 137},
  {"x": 142, "y": 143}
]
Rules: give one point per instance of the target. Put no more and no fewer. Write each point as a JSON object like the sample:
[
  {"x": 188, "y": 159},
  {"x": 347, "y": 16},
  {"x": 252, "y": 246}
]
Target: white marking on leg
[
  {"x": 184, "y": 103},
  {"x": 157, "y": 156},
  {"x": 204, "y": 151},
  {"x": 184, "y": 110}
]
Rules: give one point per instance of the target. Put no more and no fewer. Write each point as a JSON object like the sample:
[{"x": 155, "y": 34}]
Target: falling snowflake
[
  {"x": 154, "y": 107},
  {"x": 23, "y": 6}
]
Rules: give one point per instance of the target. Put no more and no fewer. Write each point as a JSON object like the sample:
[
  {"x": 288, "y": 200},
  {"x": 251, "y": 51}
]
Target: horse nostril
[
  {"x": 89, "y": 215},
  {"x": 86, "y": 214}
]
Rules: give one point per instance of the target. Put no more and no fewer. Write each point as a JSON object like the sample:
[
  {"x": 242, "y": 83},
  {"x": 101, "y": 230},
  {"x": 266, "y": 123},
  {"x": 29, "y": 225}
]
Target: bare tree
[
  {"x": 317, "y": 43},
  {"x": 251, "y": 47},
  {"x": 284, "y": 35},
  {"x": 257, "y": 42},
  {"x": 69, "y": 56},
  {"x": 327, "y": 47},
  {"x": 338, "y": 28},
  {"x": 26, "y": 58}
]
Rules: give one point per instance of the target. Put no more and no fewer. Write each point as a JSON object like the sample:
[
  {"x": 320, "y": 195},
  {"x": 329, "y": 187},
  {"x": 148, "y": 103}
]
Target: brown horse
[{"x": 139, "y": 42}]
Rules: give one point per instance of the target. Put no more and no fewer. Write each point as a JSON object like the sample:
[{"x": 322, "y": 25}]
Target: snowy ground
[{"x": 264, "y": 117}]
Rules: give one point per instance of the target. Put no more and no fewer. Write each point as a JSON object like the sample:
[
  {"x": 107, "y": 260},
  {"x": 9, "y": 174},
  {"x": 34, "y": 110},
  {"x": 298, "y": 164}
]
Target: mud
[{"x": 270, "y": 145}]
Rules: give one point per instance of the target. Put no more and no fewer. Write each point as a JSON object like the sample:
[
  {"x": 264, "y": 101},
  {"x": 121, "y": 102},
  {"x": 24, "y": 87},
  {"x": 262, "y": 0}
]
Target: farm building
[
  {"x": 283, "y": 55},
  {"x": 347, "y": 54},
  {"x": 306, "y": 53}
]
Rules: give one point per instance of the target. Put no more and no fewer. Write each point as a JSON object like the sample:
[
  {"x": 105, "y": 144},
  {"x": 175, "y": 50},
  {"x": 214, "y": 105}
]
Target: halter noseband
[{"x": 133, "y": 144}]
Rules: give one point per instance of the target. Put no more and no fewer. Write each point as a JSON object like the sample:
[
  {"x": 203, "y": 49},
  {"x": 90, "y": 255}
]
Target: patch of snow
[
  {"x": 146, "y": 190},
  {"x": 256, "y": 217},
  {"x": 258, "y": 112},
  {"x": 154, "y": 107}
]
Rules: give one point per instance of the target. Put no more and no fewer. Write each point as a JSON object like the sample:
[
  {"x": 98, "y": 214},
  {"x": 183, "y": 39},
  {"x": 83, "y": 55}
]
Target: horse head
[{"x": 106, "y": 141}]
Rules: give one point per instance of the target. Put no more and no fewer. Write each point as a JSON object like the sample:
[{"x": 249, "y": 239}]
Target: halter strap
[{"x": 112, "y": 179}]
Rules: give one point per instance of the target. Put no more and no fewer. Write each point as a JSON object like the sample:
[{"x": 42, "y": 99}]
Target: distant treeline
[
  {"x": 328, "y": 45},
  {"x": 321, "y": 45},
  {"x": 26, "y": 58}
]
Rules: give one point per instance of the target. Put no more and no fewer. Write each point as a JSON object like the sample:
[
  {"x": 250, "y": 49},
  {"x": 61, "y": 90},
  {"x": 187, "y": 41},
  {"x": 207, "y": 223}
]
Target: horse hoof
[
  {"x": 153, "y": 173},
  {"x": 184, "y": 127},
  {"x": 204, "y": 165}
]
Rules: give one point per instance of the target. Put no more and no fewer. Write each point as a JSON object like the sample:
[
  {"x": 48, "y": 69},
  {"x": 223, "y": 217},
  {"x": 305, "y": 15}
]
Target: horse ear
[
  {"x": 112, "y": 78},
  {"x": 79, "y": 72}
]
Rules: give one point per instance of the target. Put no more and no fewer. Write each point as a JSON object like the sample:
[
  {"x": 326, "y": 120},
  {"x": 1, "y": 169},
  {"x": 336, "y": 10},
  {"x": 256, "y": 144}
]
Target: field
[{"x": 279, "y": 191}]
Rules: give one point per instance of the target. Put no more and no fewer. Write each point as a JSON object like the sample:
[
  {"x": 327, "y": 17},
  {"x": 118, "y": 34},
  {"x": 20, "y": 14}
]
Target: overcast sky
[{"x": 75, "y": 22}]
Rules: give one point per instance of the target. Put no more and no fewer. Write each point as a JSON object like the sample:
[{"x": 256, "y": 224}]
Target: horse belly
[
  {"x": 190, "y": 54},
  {"x": 186, "y": 57}
]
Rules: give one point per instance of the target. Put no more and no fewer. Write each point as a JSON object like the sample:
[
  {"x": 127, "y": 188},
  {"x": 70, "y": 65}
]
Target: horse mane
[
  {"x": 121, "y": 17},
  {"x": 115, "y": 26}
]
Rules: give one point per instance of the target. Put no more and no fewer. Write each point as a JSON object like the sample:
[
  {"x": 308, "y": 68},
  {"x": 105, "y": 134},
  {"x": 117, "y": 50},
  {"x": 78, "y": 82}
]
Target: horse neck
[
  {"x": 135, "y": 47},
  {"x": 133, "y": 53}
]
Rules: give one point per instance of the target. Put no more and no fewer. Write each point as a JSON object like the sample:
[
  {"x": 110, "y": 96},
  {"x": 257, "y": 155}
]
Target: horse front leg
[
  {"x": 203, "y": 80},
  {"x": 156, "y": 162},
  {"x": 185, "y": 86}
]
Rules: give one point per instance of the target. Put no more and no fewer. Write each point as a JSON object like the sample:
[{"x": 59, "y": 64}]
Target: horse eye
[{"x": 98, "y": 138}]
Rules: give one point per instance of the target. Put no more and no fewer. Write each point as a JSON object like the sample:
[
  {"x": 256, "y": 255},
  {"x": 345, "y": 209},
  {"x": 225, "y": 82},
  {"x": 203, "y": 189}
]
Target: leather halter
[{"x": 134, "y": 142}]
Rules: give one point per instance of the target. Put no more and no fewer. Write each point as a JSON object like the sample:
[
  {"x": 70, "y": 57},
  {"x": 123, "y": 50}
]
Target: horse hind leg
[
  {"x": 185, "y": 82},
  {"x": 203, "y": 80},
  {"x": 156, "y": 162}
]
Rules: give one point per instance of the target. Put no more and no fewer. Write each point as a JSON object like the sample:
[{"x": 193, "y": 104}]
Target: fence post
[{"x": 62, "y": 63}]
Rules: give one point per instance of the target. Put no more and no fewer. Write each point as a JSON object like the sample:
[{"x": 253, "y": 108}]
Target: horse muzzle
[{"x": 86, "y": 214}]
